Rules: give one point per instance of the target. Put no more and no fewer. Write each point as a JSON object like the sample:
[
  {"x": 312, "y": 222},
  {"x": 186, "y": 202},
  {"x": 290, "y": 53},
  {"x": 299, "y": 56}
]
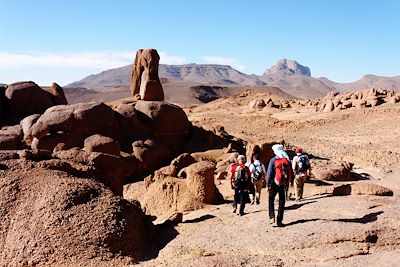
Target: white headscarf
[{"x": 279, "y": 151}]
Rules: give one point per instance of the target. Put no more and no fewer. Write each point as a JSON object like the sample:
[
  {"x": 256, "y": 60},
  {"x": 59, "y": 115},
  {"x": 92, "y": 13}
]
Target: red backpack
[{"x": 282, "y": 171}]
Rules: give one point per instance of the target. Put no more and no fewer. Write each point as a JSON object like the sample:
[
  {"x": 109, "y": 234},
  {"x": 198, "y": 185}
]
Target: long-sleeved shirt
[{"x": 271, "y": 172}]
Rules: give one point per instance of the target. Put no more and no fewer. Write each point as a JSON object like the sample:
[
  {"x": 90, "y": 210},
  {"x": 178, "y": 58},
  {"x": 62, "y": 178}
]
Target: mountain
[
  {"x": 288, "y": 75},
  {"x": 288, "y": 67}
]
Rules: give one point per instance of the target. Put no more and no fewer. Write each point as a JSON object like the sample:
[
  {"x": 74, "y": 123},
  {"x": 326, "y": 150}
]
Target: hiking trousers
[
  {"x": 258, "y": 185},
  {"x": 240, "y": 197},
  {"x": 276, "y": 189},
  {"x": 299, "y": 182}
]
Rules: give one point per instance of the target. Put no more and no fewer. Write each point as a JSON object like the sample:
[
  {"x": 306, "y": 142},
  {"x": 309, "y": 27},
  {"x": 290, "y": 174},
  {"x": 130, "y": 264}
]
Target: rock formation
[
  {"x": 144, "y": 77},
  {"x": 288, "y": 67}
]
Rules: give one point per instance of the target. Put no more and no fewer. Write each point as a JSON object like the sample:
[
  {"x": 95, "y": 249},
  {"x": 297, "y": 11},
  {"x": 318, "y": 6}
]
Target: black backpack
[
  {"x": 241, "y": 176},
  {"x": 303, "y": 163}
]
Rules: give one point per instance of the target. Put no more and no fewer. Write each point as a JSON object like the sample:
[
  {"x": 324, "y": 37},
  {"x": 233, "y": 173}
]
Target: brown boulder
[
  {"x": 55, "y": 219},
  {"x": 103, "y": 144},
  {"x": 332, "y": 170},
  {"x": 329, "y": 106},
  {"x": 72, "y": 124},
  {"x": 257, "y": 104},
  {"x": 144, "y": 77},
  {"x": 26, "y": 125},
  {"x": 27, "y": 98},
  {"x": 151, "y": 153},
  {"x": 58, "y": 94},
  {"x": 200, "y": 181},
  {"x": 168, "y": 122},
  {"x": 354, "y": 189},
  {"x": 10, "y": 137}
]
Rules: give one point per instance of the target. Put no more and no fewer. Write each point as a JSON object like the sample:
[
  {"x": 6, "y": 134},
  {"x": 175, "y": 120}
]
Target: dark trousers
[
  {"x": 276, "y": 189},
  {"x": 240, "y": 197}
]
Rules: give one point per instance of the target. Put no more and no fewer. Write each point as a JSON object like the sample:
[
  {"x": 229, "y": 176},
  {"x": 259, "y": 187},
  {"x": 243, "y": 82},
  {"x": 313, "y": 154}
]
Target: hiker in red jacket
[
  {"x": 240, "y": 181},
  {"x": 279, "y": 175}
]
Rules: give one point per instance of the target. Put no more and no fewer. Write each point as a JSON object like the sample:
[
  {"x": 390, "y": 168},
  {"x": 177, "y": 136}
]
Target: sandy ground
[{"x": 319, "y": 231}]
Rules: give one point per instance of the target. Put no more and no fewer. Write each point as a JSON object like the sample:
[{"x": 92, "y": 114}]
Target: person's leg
[
  {"x": 303, "y": 181},
  {"x": 235, "y": 200},
  {"x": 297, "y": 186},
  {"x": 281, "y": 208},
  {"x": 258, "y": 191},
  {"x": 271, "y": 200},
  {"x": 242, "y": 201}
]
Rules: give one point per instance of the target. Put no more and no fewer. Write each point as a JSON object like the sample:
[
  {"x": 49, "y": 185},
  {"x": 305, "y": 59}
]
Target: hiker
[
  {"x": 240, "y": 181},
  {"x": 279, "y": 175},
  {"x": 258, "y": 174},
  {"x": 302, "y": 169}
]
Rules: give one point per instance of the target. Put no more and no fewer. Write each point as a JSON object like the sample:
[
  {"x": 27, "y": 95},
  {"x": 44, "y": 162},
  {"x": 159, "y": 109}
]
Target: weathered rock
[
  {"x": 26, "y": 125},
  {"x": 329, "y": 106},
  {"x": 151, "y": 153},
  {"x": 332, "y": 170},
  {"x": 169, "y": 122},
  {"x": 144, "y": 77},
  {"x": 72, "y": 124},
  {"x": 27, "y": 98},
  {"x": 57, "y": 94},
  {"x": 59, "y": 220},
  {"x": 10, "y": 137},
  {"x": 354, "y": 189},
  {"x": 257, "y": 104},
  {"x": 103, "y": 144}
]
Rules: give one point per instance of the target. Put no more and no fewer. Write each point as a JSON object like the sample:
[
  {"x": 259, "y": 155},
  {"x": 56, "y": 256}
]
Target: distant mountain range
[{"x": 287, "y": 75}]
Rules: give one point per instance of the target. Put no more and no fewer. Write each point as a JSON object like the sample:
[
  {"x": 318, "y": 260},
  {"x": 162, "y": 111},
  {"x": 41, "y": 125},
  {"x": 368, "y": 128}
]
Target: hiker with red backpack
[
  {"x": 302, "y": 169},
  {"x": 240, "y": 182},
  {"x": 279, "y": 175}
]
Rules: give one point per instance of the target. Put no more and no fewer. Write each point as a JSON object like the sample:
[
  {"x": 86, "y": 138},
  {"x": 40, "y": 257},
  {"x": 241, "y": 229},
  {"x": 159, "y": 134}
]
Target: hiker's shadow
[
  {"x": 200, "y": 219},
  {"x": 298, "y": 205}
]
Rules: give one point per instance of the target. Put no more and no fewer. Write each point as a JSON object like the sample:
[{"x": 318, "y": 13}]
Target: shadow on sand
[
  {"x": 298, "y": 205},
  {"x": 200, "y": 219},
  {"x": 365, "y": 219}
]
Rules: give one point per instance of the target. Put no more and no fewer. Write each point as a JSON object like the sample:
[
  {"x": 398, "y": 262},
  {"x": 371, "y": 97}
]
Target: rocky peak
[{"x": 288, "y": 67}]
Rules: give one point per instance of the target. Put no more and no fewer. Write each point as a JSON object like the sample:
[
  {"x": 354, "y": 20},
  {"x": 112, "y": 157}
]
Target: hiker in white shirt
[{"x": 302, "y": 169}]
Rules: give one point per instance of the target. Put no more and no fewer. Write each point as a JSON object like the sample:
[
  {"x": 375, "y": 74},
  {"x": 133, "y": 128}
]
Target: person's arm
[
  {"x": 233, "y": 168},
  {"x": 270, "y": 173},
  {"x": 291, "y": 175},
  {"x": 294, "y": 163}
]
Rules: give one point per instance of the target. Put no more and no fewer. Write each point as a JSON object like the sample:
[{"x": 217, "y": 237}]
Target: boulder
[
  {"x": 332, "y": 170},
  {"x": 168, "y": 122},
  {"x": 144, "y": 76},
  {"x": 26, "y": 125},
  {"x": 55, "y": 219},
  {"x": 72, "y": 124},
  {"x": 57, "y": 94},
  {"x": 200, "y": 181},
  {"x": 329, "y": 106},
  {"x": 103, "y": 144},
  {"x": 257, "y": 104},
  {"x": 151, "y": 153},
  {"x": 354, "y": 189},
  {"x": 10, "y": 137},
  {"x": 27, "y": 98},
  {"x": 360, "y": 104}
]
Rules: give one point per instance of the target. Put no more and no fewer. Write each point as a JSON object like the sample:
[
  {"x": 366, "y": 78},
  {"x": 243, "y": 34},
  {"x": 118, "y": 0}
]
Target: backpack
[
  {"x": 303, "y": 163},
  {"x": 258, "y": 172},
  {"x": 282, "y": 171},
  {"x": 241, "y": 176}
]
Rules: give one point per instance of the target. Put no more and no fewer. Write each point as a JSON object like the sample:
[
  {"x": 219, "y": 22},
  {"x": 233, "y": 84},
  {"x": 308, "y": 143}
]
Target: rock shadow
[
  {"x": 200, "y": 219},
  {"x": 363, "y": 220},
  {"x": 360, "y": 176},
  {"x": 165, "y": 233},
  {"x": 298, "y": 205}
]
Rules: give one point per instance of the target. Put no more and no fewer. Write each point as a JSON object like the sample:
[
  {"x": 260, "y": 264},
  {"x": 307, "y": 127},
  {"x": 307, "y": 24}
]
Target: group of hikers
[{"x": 247, "y": 180}]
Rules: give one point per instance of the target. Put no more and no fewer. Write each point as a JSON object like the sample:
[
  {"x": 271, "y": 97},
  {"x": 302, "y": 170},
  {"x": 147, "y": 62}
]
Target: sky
[{"x": 66, "y": 40}]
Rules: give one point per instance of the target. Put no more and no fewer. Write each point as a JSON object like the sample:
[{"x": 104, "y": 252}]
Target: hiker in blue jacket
[{"x": 279, "y": 175}]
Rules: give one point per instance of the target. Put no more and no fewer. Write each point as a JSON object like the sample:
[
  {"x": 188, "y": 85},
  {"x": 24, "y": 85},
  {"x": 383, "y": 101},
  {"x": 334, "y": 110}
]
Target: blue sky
[{"x": 64, "y": 41}]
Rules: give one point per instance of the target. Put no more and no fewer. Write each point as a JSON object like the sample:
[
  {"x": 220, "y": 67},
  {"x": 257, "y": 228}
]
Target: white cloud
[
  {"x": 95, "y": 59},
  {"x": 224, "y": 61}
]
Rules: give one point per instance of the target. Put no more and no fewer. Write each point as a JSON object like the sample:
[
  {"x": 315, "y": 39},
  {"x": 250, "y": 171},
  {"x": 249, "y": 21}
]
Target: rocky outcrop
[
  {"x": 71, "y": 125},
  {"x": 144, "y": 77},
  {"x": 102, "y": 144},
  {"x": 168, "y": 122},
  {"x": 26, "y": 98},
  {"x": 162, "y": 195},
  {"x": 331, "y": 170},
  {"x": 10, "y": 137},
  {"x": 55, "y": 219},
  {"x": 354, "y": 189}
]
